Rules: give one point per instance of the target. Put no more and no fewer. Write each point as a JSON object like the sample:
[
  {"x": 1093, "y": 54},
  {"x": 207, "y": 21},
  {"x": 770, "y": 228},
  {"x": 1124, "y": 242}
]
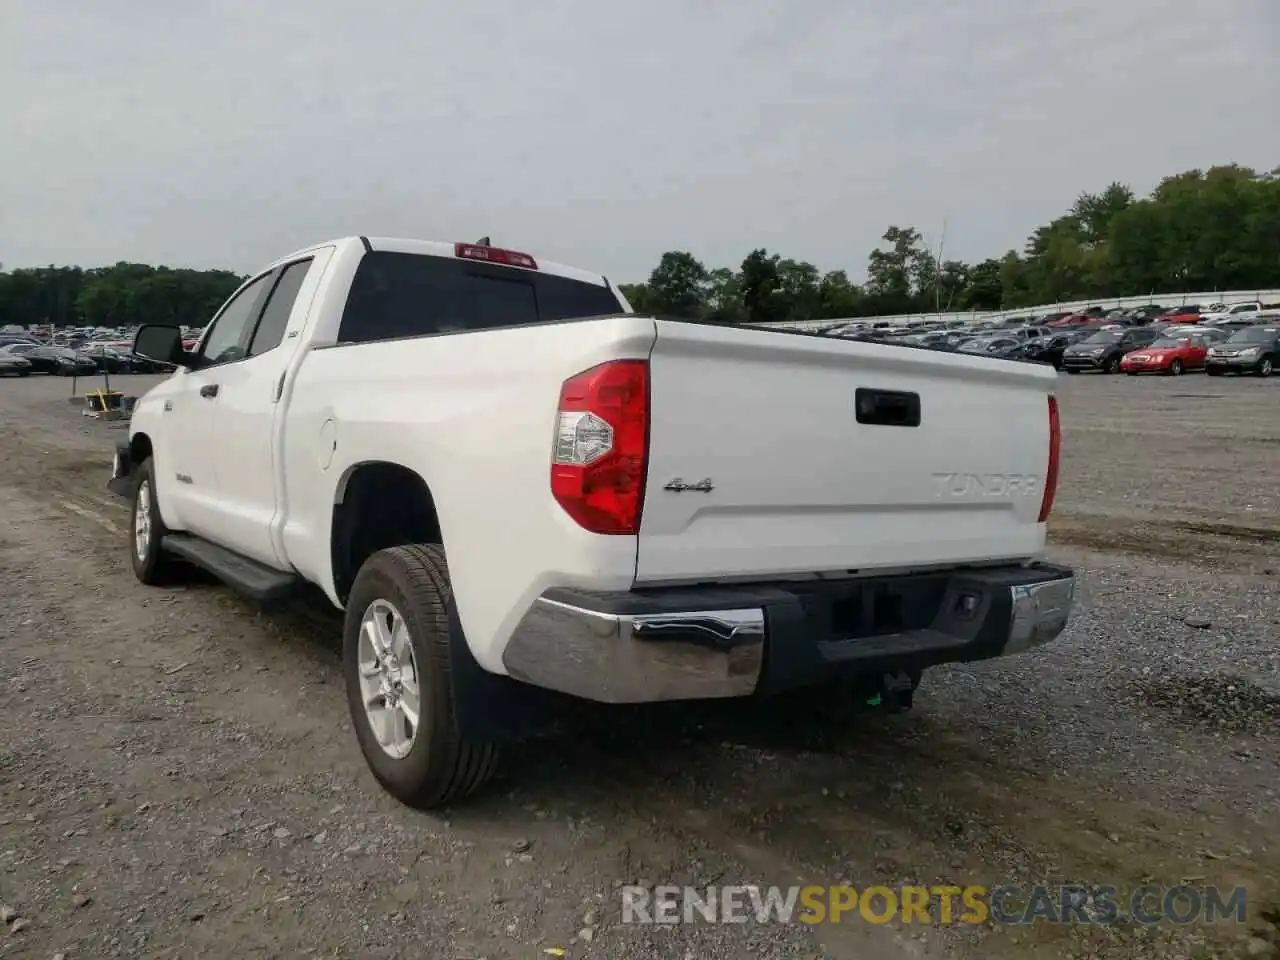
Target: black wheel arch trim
[{"x": 124, "y": 471}]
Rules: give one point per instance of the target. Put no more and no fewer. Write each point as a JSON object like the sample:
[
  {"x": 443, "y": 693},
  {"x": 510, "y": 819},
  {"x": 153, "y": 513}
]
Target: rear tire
[{"x": 409, "y": 586}]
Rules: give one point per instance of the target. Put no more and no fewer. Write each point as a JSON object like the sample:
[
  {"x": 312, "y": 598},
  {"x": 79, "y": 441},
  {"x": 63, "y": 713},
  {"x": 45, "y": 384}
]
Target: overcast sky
[{"x": 601, "y": 133}]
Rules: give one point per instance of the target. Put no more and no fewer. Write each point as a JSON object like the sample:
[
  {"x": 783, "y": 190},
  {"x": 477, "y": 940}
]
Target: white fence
[{"x": 1165, "y": 300}]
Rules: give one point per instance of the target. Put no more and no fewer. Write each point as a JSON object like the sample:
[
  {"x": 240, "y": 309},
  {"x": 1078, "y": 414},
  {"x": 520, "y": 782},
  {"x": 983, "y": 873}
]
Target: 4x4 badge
[{"x": 679, "y": 486}]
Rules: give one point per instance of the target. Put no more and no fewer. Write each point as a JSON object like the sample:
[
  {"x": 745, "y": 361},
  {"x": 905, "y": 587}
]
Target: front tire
[
  {"x": 1265, "y": 367},
  {"x": 151, "y": 565},
  {"x": 1112, "y": 365},
  {"x": 396, "y": 662},
  {"x": 1175, "y": 368}
]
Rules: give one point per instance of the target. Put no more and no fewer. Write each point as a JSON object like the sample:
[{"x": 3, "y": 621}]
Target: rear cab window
[{"x": 395, "y": 295}]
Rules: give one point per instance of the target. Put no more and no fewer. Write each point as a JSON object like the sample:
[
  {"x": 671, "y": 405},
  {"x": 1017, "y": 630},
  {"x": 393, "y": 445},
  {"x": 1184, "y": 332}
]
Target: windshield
[
  {"x": 1255, "y": 335},
  {"x": 975, "y": 346},
  {"x": 1169, "y": 343},
  {"x": 1103, "y": 336}
]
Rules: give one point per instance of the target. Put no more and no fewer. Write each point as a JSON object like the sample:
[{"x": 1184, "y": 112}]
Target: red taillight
[
  {"x": 1055, "y": 450},
  {"x": 602, "y": 446},
  {"x": 509, "y": 258}
]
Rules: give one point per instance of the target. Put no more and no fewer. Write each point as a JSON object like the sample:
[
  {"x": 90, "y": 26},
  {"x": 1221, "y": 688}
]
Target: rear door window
[{"x": 412, "y": 295}]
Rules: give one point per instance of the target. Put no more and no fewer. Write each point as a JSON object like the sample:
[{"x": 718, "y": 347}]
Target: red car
[
  {"x": 1170, "y": 354},
  {"x": 1180, "y": 315}
]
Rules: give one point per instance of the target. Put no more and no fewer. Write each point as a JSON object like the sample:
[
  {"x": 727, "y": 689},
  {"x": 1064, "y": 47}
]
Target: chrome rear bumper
[
  {"x": 690, "y": 643},
  {"x": 618, "y": 657}
]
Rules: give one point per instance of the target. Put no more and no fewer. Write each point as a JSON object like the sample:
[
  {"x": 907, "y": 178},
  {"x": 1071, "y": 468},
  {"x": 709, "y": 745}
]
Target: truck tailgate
[{"x": 795, "y": 484}]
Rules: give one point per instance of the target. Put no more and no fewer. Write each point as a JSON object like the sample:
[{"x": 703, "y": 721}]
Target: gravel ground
[{"x": 178, "y": 776}]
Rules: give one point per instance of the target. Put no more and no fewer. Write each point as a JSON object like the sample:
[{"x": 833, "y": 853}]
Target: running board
[{"x": 246, "y": 576}]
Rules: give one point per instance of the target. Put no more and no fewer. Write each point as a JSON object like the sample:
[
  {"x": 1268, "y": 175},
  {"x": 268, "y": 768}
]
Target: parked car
[
  {"x": 1145, "y": 315},
  {"x": 1173, "y": 354},
  {"x": 1248, "y": 310},
  {"x": 932, "y": 339},
  {"x": 1049, "y": 349},
  {"x": 425, "y": 404},
  {"x": 1188, "y": 313},
  {"x": 1252, "y": 350},
  {"x": 1104, "y": 349},
  {"x": 1047, "y": 319},
  {"x": 71, "y": 363},
  {"x": 989, "y": 345},
  {"x": 954, "y": 338},
  {"x": 109, "y": 359},
  {"x": 10, "y": 340},
  {"x": 42, "y": 357},
  {"x": 1232, "y": 326},
  {"x": 13, "y": 365},
  {"x": 1073, "y": 320},
  {"x": 1028, "y": 332}
]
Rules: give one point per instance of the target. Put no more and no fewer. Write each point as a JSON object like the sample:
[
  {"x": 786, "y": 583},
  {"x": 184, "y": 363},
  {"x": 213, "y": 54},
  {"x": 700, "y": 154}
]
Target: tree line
[
  {"x": 117, "y": 296},
  {"x": 1217, "y": 229}
]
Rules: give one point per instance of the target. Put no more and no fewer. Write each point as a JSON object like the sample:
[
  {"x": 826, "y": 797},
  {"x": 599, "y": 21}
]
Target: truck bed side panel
[{"x": 474, "y": 415}]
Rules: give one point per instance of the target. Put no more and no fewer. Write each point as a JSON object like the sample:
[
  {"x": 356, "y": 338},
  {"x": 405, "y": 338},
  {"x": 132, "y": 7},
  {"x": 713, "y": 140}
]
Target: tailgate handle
[{"x": 887, "y": 408}]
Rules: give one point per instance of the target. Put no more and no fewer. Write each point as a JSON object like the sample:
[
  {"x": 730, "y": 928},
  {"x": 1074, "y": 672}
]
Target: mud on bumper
[{"x": 687, "y": 643}]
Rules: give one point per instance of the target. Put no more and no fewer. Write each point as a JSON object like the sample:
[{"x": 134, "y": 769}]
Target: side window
[
  {"x": 223, "y": 342},
  {"x": 275, "y": 315}
]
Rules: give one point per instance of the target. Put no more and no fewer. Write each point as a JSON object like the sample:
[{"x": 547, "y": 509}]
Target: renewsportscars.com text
[{"x": 973, "y": 904}]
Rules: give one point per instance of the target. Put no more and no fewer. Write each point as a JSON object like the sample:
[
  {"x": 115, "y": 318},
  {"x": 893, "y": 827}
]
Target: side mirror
[{"x": 163, "y": 343}]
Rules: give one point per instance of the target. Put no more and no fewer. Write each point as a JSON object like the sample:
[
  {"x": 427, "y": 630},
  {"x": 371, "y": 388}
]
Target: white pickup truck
[
  {"x": 513, "y": 484},
  {"x": 1246, "y": 310}
]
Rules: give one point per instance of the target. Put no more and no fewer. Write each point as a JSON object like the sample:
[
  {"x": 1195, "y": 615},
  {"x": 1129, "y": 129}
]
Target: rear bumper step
[{"x": 688, "y": 643}]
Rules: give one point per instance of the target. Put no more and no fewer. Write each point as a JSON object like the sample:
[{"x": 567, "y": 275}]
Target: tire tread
[{"x": 457, "y": 767}]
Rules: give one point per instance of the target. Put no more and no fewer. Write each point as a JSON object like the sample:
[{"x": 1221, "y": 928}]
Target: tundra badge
[{"x": 679, "y": 486}]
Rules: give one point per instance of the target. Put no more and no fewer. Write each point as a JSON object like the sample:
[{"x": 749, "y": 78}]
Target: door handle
[
  {"x": 209, "y": 390},
  {"x": 887, "y": 408}
]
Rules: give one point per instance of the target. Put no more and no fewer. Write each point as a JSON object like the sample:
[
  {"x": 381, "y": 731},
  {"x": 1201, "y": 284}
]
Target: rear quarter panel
[{"x": 474, "y": 415}]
